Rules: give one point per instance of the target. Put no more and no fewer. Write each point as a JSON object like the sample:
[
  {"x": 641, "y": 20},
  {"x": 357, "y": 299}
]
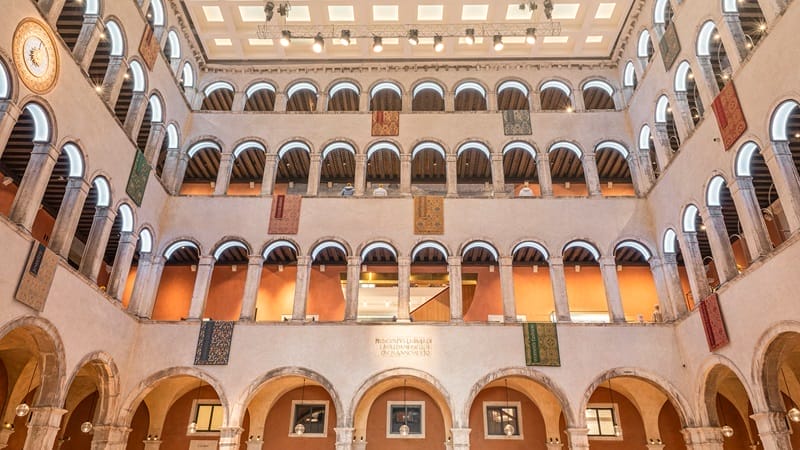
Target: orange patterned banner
[
  {"x": 428, "y": 215},
  {"x": 730, "y": 116},
  {"x": 149, "y": 48},
  {"x": 713, "y": 323},
  {"x": 285, "y": 215},
  {"x": 385, "y": 123}
]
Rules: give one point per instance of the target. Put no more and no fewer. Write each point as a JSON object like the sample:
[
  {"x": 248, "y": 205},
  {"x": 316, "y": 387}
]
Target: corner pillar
[{"x": 202, "y": 282}]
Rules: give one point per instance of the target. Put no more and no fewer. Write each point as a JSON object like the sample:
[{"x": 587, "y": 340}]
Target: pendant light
[
  {"x": 508, "y": 428},
  {"x": 193, "y": 426},
  {"x": 23, "y": 408},
  {"x": 726, "y": 429},
  {"x": 794, "y": 413},
  {"x": 299, "y": 429},
  {"x": 404, "y": 429},
  {"x": 617, "y": 428},
  {"x": 87, "y": 427}
]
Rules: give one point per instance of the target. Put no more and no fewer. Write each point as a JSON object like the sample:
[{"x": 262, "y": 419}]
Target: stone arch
[
  {"x": 9, "y": 84},
  {"x": 537, "y": 244},
  {"x": 278, "y": 243},
  {"x": 709, "y": 373},
  {"x": 768, "y": 352},
  {"x": 178, "y": 243},
  {"x": 377, "y": 243},
  {"x": 328, "y": 242},
  {"x": 229, "y": 242},
  {"x": 423, "y": 244},
  {"x": 108, "y": 384},
  {"x": 44, "y": 121}
]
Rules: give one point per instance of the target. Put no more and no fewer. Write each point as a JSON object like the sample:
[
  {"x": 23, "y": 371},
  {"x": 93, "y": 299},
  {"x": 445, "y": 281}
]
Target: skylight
[
  {"x": 430, "y": 12},
  {"x": 213, "y": 13},
  {"x": 514, "y": 13},
  {"x": 556, "y": 39},
  {"x": 252, "y": 13},
  {"x": 341, "y": 13},
  {"x": 474, "y": 12},
  {"x": 565, "y": 11},
  {"x": 605, "y": 11},
  {"x": 383, "y": 13},
  {"x": 594, "y": 39},
  {"x": 299, "y": 13},
  {"x": 260, "y": 42},
  {"x": 223, "y": 42}
]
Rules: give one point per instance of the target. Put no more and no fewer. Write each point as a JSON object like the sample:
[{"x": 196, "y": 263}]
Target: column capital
[
  {"x": 770, "y": 422},
  {"x": 708, "y": 436},
  {"x": 556, "y": 260},
  {"x": 454, "y": 260},
  {"x": 670, "y": 258},
  {"x": 255, "y": 260},
  {"x": 344, "y": 434},
  {"x": 303, "y": 260},
  {"x": 655, "y": 262},
  {"x": 206, "y": 260},
  {"x": 578, "y": 438},
  {"x": 460, "y": 437},
  {"x": 78, "y": 183},
  {"x": 353, "y": 260},
  {"x": 10, "y": 108},
  {"x": 506, "y": 261},
  {"x": 607, "y": 260},
  {"x": 403, "y": 260}
]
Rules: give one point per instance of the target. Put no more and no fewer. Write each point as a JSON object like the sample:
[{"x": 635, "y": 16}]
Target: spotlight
[
  {"x": 345, "y": 39},
  {"x": 413, "y": 37},
  {"x": 438, "y": 43},
  {"x": 319, "y": 43},
  {"x": 377, "y": 44},
  {"x": 498, "y": 42},
  {"x": 470, "y": 36},
  {"x": 530, "y": 36},
  {"x": 286, "y": 38}
]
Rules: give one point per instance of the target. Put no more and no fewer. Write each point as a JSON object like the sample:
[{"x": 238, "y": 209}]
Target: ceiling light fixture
[
  {"x": 530, "y": 36},
  {"x": 470, "y": 38},
  {"x": 438, "y": 43},
  {"x": 498, "y": 42},
  {"x": 319, "y": 43},
  {"x": 377, "y": 44},
  {"x": 345, "y": 39},
  {"x": 286, "y": 38},
  {"x": 413, "y": 37}
]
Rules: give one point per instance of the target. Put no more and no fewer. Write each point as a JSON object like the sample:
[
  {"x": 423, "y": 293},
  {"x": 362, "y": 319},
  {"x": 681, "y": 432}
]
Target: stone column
[
  {"x": 703, "y": 438},
  {"x": 229, "y": 438},
  {"x": 536, "y": 101},
  {"x": 5, "y": 435},
  {"x": 404, "y": 288},
  {"x": 507, "y": 289},
  {"x": 280, "y": 102},
  {"x": 449, "y": 101},
  {"x": 88, "y": 39},
  {"x": 578, "y": 438},
  {"x": 664, "y": 152},
  {"x": 154, "y": 142},
  {"x": 254, "y": 444},
  {"x": 314, "y": 175},
  {"x": 114, "y": 79},
  {"x": 344, "y": 438},
  {"x": 136, "y": 112},
  {"x": 772, "y": 9},
  {"x": 668, "y": 286},
  {"x": 646, "y": 165},
  {"x": 608, "y": 270},
  {"x": 733, "y": 36},
  {"x": 224, "y": 174},
  {"x": 408, "y": 102},
  {"x": 351, "y": 300},
  {"x": 592, "y": 178},
  {"x": 363, "y": 101},
  {"x": 43, "y": 426},
  {"x": 68, "y": 216},
  {"x": 491, "y": 101},
  {"x": 451, "y": 166},
  {"x": 405, "y": 174},
  {"x": 543, "y": 173},
  {"x": 753, "y": 226},
  {"x": 720, "y": 243},
  {"x": 682, "y": 116},
  {"x": 322, "y": 102},
  {"x": 707, "y": 74},
  {"x": 577, "y": 101},
  {"x": 153, "y": 445},
  {"x": 456, "y": 296},
  {"x": 778, "y": 158},
  {"x": 33, "y": 185},
  {"x": 180, "y": 172},
  {"x": 360, "y": 182},
  {"x": 51, "y": 9},
  {"x": 270, "y": 169},
  {"x": 559, "y": 283},
  {"x": 255, "y": 265},
  {"x": 460, "y": 438},
  {"x": 109, "y": 437},
  {"x": 239, "y": 100},
  {"x": 9, "y": 114},
  {"x": 145, "y": 288},
  {"x": 96, "y": 242},
  {"x": 638, "y": 180},
  {"x": 122, "y": 264},
  {"x": 773, "y": 430},
  {"x": 694, "y": 266},
  {"x": 301, "y": 288},
  {"x": 202, "y": 281},
  {"x": 498, "y": 176}
]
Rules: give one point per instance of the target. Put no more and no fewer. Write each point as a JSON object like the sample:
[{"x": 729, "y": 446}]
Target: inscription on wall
[{"x": 404, "y": 346}]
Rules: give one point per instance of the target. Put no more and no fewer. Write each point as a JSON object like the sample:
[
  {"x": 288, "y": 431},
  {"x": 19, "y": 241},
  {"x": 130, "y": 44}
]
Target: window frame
[
  {"x": 614, "y": 407},
  {"x": 195, "y": 410},
  {"x": 292, "y": 418},
  {"x": 499, "y": 404},
  {"x": 414, "y": 403}
]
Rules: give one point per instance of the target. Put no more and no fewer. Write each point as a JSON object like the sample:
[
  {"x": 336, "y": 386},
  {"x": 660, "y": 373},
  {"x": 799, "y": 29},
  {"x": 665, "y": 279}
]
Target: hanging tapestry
[
  {"x": 713, "y": 323},
  {"x": 730, "y": 116},
  {"x": 517, "y": 122},
  {"x": 385, "y": 123},
  {"x": 34, "y": 286},
  {"x": 428, "y": 215},
  {"x": 670, "y": 46},
  {"x": 137, "y": 182},
  {"x": 541, "y": 344},
  {"x": 149, "y": 48},
  {"x": 285, "y": 215},
  {"x": 214, "y": 343}
]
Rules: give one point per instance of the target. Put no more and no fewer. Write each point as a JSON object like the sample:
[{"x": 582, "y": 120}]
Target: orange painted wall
[
  {"x": 196, "y": 189},
  {"x": 575, "y": 190},
  {"x": 224, "y": 300},
  {"x": 633, "y": 435},
  {"x": 669, "y": 425},
  {"x": 17, "y": 439},
  {"x": 488, "y": 298},
  {"x": 177, "y": 420},
  {"x": 741, "y": 439},
  {"x": 126, "y": 294},
  {"x": 638, "y": 291},
  {"x": 533, "y": 431},
  {"x": 533, "y": 293},
  {"x": 174, "y": 293},
  {"x": 275, "y": 293},
  {"x": 585, "y": 290},
  {"x": 325, "y": 295},
  {"x": 77, "y": 440},
  {"x": 140, "y": 425},
  {"x": 7, "y": 194},
  {"x": 376, "y": 423},
  {"x": 4, "y": 387},
  {"x": 278, "y": 424},
  {"x": 42, "y": 224},
  {"x": 244, "y": 189}
]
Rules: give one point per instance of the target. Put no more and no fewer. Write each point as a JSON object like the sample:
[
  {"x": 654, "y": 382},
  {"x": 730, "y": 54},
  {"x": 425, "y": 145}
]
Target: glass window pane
[
  {"x": 497, "y": 417},
  {"x": 606, "y": 419},
  {"x": 216, "y": 418},
  {"x": 591, "y": 422},
  {"x": 312, "y": 416},
  {"x": 203, "y": 417},
  {"x": 410, "y": 415}
]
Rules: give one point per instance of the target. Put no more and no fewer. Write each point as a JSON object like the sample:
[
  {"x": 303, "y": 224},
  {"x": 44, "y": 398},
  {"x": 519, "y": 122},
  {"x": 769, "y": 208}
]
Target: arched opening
[
  {"x": 301, "y": 97},
  {"x": 344, "y": 97},
  {"x": 430, "y": 288},
  {"x": 228, "y": 277},
  {"x": 474, "y": 170},
  {"x": 482, "y": 298},
  {"x": 96, "y": 201},
  {"x": 533, "y": 291},
  {"x": 176, "y": 285},
  {"x": 218, "y": 96},
  {"x": 278, "y": 278},
  {"x": 386, "y": 96},
  {"x": 70, "y": 22},
  {"x": 585, "y": 288},
  {"x": 470, "y": 96},
  {"x": 172, "y": 47},
  {"x": 428, "y": 169},
  {"x": 629, "y": 79},
  {"x": 6, "y": 86},
  {"x": 428, "y": 96},
  {"x": 748, "y": 16},
  {"x": 327, "y": 284},
  {"x": 519, "y": 168},
  {"x": 751, "y": 168},
  {"x": 155, "y": 16},
  {"x": 687, "y": 92},
  {"x": 154, "y": 113},
  {"x": 67, "y": 172},
  {"x": 636, "y": 283},
  {"x": 144, "y": 247},
  {"x": 694, "y": 233},
  {"x": 109, "y": 46},
  {"x": 648, "y": 146},
  {"x": 555, "y": 95},
  {"x": 170, "y": 143},
  {"x": 202, "y": 169},
  {"x": 785, "y": 132},
  {"x": 383, "y": 169},
  {"x": 598, "y": 95},
  {"x": 780, "y": 377},
  {"x": 123, "y": 223},
  {"x": 645, "y": 49},
  {"x": 566, "y": 170},
  {"x": 662, "y": 16},
  {"x": 133, "y": 82},
  {"x": 338, "y": 169},
  {"x": 87, "y": 404},
  {"x": 187, "y": 77},
  {"x": 713, "y": 57},
  {"x": 378, "y": 287},
  {"x": 674, "y": 257},
  {"x": 614, "y": 170},
  {"x": 719, "y": 196},
  {"x": 260, "y": 97},
  {"x": 294, "y": 161},
  {"x": 727, "y": 404},
  {"x": 665, "y": 123},
  {"x": 512, "y": 95},
  {"x": 248, "y": 169}
]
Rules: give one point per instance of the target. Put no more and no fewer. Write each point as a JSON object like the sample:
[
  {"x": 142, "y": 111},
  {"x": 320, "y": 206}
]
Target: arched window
[
  {"x": 134, "y": 83},
  {"x": 719, "y": 196},
  {"x": 613, "y": 169},
  {"x": 202, "y": 170},
  {"x": 172, "y": 46},
  {"x": 566, "y": 170},
  {"x": 629, "y": 76},
  {"x": 293, "y": 164},
  {"x": 5, "y": 82},
  {"x": 598, "y": 94},
  {"x": 428, "y": 96},
  {"x": 428, "y": 167},
  {"x": 383, "y": 165},
  {"x": 187, "y": 76},
  {"x": 344, "y": 96},
  {"x": 301, "y": 97},
  {"x": 470, "y": 96},
  {"x": 260, "y": 97},
  {"x": 512, "y": 95},
  {"x": 113, "y": 46},
  {"x": 519, "y": 166},
  {"x": 218, "y": 96},
  {"x": 662, "y": 16},
  {"x": 473, "y": 169},
  {"x": 713, "y": 57},
  {"x": 386, "y": 96},
  {"x": 644, "y": 48},
  {"x": 338, "y": 167},
  {"x": 648, "y": 146},
  {"x": 247, "y": 172},
  {"x": 685, "y": 84},
  {"x": 555, "y": 96},
  {"x": 665, "y": 121}
]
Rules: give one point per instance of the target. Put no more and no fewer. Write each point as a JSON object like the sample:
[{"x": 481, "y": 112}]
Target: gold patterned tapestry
[
  {"x": 730, "y": 116},
  {"x": 517, "y": 122},
  {"x": 385, "y": 123},
  {"x": 285, "y": 215},
  {"x": 541, "y": 344},
  {"x": 713, "y": 323},
  {"x": 137, "y": 182},
  {"x": 214, "y": 343},
  {"x": 428, "y": 215},
  {"x": 670, "y": 46},
  {"x": 34, "y": 286},
  {"x": 149, "y": 48}
]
